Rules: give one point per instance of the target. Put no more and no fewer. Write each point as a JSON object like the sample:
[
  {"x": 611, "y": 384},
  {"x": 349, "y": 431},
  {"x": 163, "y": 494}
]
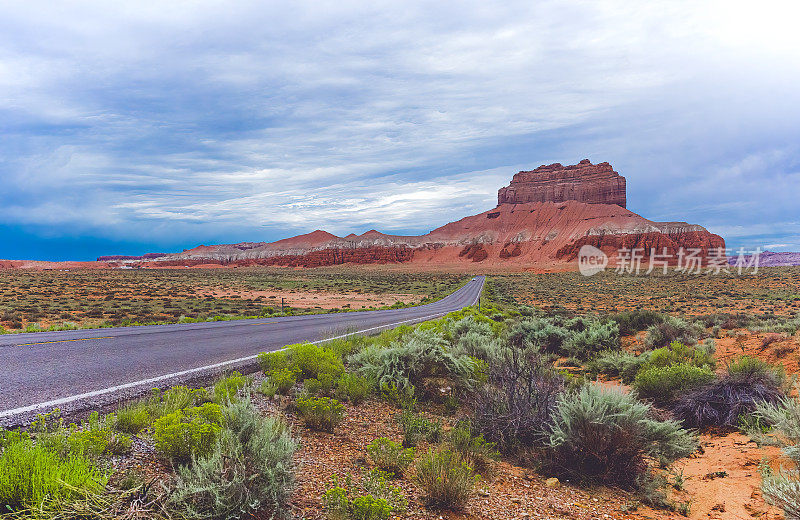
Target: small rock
[{"x": 552, "y": 483}]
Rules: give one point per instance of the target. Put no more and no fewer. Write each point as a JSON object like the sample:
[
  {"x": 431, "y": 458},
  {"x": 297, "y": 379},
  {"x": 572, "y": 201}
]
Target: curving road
[{"x": 44, "y": 370}]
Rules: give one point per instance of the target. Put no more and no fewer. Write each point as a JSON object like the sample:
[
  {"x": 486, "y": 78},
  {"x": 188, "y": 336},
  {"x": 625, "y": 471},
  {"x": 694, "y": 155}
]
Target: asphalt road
[{"x": 43, "y": 370}]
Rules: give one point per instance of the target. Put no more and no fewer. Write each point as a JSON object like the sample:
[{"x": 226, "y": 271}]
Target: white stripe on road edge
[{"x": 97, "y": 393}]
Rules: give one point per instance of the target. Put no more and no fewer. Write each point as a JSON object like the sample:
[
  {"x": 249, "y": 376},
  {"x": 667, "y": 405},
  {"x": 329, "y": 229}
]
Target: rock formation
[
  {"x": 582, "y": 182},
  {"x": 543, "y": 218}
]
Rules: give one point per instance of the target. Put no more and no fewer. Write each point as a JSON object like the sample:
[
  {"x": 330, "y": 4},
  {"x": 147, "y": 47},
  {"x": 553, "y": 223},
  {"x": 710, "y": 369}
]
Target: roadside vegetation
[
  {"x": 34, "y": 301},
  {"x": 424, "y": 419}
]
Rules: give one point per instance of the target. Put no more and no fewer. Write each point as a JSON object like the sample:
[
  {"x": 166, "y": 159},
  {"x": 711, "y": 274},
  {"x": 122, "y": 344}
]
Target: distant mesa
[
  {"x": 582, "y": 182},
  {"x": 542, "y": 219}
]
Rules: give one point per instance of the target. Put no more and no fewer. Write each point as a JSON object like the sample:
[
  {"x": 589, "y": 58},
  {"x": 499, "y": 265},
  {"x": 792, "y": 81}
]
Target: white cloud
[{"x": 209, "y": 118}]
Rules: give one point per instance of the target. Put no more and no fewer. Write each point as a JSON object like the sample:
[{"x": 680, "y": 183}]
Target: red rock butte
[
  {"x": 543, "y": 218},
  {"x": 582, "y": 182}
]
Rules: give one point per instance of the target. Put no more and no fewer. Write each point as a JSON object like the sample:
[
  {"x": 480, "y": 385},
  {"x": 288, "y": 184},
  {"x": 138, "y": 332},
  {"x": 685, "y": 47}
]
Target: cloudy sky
[{"x": 155, "y": 126}]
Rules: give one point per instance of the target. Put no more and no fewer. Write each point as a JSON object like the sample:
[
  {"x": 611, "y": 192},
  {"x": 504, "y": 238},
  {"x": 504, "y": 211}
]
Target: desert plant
[
  {"x": 33, "y": 476},
  {"x": 540, "y": 333},
  {"x": 472, "y": 447},
  {"x": 250, "y": 468},
  {"x": 672, "y": 329},
  {"x": 592, "y": 338},
  {"x": 283, "y": 380},
  {"x": 133, "y": 418},
  {"x": 320, "y": 413},
  {"x": 370, "y": 499},
  {"x": 353, "y": 388},
  {"x": 676, "y": 352},
  {"x": 446, "y": 480},
  {"x": 631, "y": 322},
  {"x": 272, "y": 361},
  {"x": 617, "y": 363},
  {"x": 417, "y": 427},
  {"x": 605, "y": 435},
  {"x": 390, "y": 456},
  {"x": 184, "y": 433},
  {"x": 723, "y": 402},
  {"x": 664, "y": 384},
  {"x": 514, "y": 408},
  {"x": 312, "y": 361},
  {"x": 229, "y": 387},
  {"x": 421, "y": 355}
]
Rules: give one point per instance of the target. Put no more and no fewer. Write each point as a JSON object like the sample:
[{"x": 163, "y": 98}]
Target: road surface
[{"x": 43, "y": 370}]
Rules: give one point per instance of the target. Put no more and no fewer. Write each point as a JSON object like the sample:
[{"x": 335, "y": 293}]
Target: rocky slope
[{"x": 543, "y": 218}]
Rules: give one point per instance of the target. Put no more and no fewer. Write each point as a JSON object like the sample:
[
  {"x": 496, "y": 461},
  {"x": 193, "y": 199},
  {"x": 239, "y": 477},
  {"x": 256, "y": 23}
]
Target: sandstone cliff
[
  {"x": 543, "y": 218},
  {"x": 582, "y": 182}
]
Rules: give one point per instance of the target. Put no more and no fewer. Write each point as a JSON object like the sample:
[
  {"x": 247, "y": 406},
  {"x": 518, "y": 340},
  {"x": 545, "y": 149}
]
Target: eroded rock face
[{"x": 582, "y": 182}]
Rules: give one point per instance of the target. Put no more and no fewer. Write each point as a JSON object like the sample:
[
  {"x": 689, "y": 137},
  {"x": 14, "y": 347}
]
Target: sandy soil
[{"x": 310, "y": 299}]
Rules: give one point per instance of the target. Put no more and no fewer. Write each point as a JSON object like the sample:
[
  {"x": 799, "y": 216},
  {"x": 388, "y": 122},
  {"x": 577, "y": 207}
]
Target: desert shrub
[
  {"x": 249, "y": 469},
  {"x": 446, "y": 480},
  {"x": 514, "y": 408},
  {"x": 174, "y": 399},
  {"x": 417, "y": 427},
  {"x": 33, "y": 476},
  {"x": 782, "y": 489},
  {"x": 472, "y": 447},
  {"x": 353, "y": 388},
  {"x": 672, "y": 329},
  {"x": 312, "y": 361},
  {"x": 592, "y": 338},
  {"x": 373, "y": 498},
  {"x": 267, "y": 388},
  {"x": 191, "y": 431},
  {"x": 390, "y": 456},
  {"x": 398, "y": 396},
  {"x": 272, "y": 361},
  {"x": 421, "y": 355},
  {"x": 631, "y": 322},
  {"x": 133, "y": 418},
  {"x": 617, "y": 363},
  {"x": 229, "y": 387},
  {"x": 537, "y": 332},
  {"x": 283, "y": 380},
  {"x": 676, "y": 353},
  {"x": 604, "y": 435},
  {"x": 663, "y": 384},
  {"x": 724, "y": 401},
  {"x": 320, "y": 413},
  {"x": 322, "y": 385}
]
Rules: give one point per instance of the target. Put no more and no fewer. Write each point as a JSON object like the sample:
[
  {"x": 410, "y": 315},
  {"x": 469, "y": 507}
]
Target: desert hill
[{"x": 542, "y": 219}]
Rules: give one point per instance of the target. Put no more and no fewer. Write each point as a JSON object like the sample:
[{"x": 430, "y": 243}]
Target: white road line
[{"x": 97, "y": 393}]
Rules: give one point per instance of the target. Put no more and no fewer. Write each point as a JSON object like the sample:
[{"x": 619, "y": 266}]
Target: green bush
[
  {"x": 617, "y": 363},
  {"x": 229, "y": 387},
  {"x": 371, "y": 499},
  {"x": 34, "y": 477},
  {"x": 133, "y": 418},
  {"x": 93, "y": 439},
  {"x": 249, "y": 469},
  {"x": 678, "y": 353},
  {"x": 390, "y": 456},
  {"x": 189, "y": 432},
  {"x": 320, "y": 413},
  {"x": 473, "y": 449},
  {"x": 445, "y": 479},
  {"x": 592, "y": 338},
  {"x": 605, "y": 435},
  {"x": 748, "y": 367},
  {"x": 664, "y": 384},
  {"x": 672, "y": 329},
  {"x": 272, "y": 361},
  {"x": 353, "y": 388},
  {"x": 541, "y": 333},
  {"x": 322, "y": 385},
  {"x": 421, "y": 355},
  {"x": 283, "y": 380},
  {"x": 311, "y": 361},
  {"x": 417, "y": 427},
  {"x": 631, "y": 322},
  {"x": 174, "y": 399}
]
